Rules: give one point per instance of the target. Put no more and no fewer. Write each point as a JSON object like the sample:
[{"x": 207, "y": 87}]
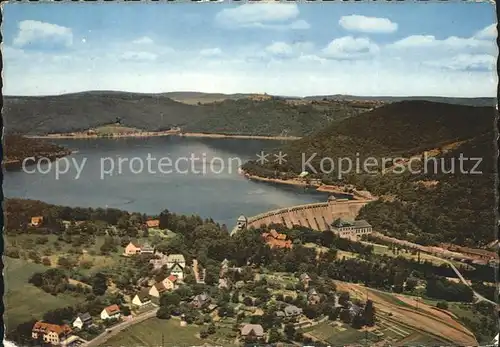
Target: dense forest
[
  {"x": 155, "y": 112},
  {"x": 433, "y": 205},
  {"x": 17, "y": 147}
]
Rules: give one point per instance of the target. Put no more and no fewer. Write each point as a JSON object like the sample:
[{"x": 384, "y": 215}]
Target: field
[
  {"x": 149, "y": 333},
  {"x": 401, "y": 313},
  {"x": 338, "y": 334},
  {"x": 24, "y": 301}
]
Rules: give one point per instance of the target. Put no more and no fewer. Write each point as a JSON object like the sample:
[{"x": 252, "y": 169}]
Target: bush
[
  {"x": 46, "y": 261},
  {"x": 442, "y": 305}
]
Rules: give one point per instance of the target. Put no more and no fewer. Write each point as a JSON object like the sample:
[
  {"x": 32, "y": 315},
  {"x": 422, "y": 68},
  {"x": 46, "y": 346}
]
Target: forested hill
[
  {"x": 428, "y": 208},
  {"x": 252, "y": 115}
]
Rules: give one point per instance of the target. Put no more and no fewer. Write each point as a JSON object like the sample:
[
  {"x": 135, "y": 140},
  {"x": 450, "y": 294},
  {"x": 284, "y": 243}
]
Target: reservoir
[{"x": 185, "y": 175}]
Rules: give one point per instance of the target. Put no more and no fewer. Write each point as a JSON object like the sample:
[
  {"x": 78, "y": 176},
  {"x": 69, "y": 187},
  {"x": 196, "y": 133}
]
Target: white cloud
[
  {"x": 35, "y": 33},
  {"x": 280, "y": 48},
  {"x": 490, "y": 32},
  {"x": 466, "y": 62},
  {"x": 452, "y": 42},
  {"x": 145, "y": 40},
  {"x": 210, "y": 52},
  {"x": 139, "y": 56},
  {"x": 348, "y": 47},
  {"x": 265, "y": 16},
  {"x": 367, "y": 24}
]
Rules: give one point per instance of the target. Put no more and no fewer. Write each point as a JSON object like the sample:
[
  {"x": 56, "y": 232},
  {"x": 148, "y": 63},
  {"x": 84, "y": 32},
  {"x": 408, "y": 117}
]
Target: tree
[
  {"x": 289, "y": 331},
  {"x": 211, "y": 329},
  {"x": 369, "y": 313},
  {"x": 163, "y": 313},
  {"x": 344, "y": 298},
  {"x": 46, "y": 261},
  {"x": 274, "y": 336},
  {"x": 99, "y": 284},
  {"x": 442, "y": 305}
]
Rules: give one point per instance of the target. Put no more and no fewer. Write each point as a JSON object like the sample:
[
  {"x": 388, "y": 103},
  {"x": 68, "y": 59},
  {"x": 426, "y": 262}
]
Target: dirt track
[{"x": 427, "y": 319}]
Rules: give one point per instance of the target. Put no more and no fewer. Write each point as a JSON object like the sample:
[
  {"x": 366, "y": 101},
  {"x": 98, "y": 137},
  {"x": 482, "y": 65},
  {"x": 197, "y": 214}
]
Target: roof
[
  {"x": 256, "y": 328},
  {"x": 143, "y": 295},
  {"x": 304, "y": 276},
  {"x": 113, "y": 309},
  {"x": 292, "y": 310},
  {"x": 135, "y": 244},
  {"x": 85, "y": 316},
  {"x": 313, "y": 292},
  {"x": 361, "y": 224},
  {"x": 153, "y": 223},
  {"x": 48, "y": 327},
  {"x": 176, "y": 264},
  {"x": 176, "y": 258},
  {"x": 172, "y": 278},
  {"x": 160, "y": 287},
  {"x": 201, "y": 297},
  {"x": 242, "y": 218}
]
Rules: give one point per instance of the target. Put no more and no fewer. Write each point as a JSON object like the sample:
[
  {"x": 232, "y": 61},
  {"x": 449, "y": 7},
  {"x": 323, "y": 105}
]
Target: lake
[{"x": 184, "y": 175}]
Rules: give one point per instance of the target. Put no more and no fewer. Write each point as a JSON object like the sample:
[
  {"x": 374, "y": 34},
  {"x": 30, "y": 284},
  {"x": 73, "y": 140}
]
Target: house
[
  {"x": 241, "y": 222},
  {"x": 178, "y": 271},
  {"x": 349, "y": 229},
  {"x": 292, "y": 311},
  {"x": 142, "y": 298},
  {"x": 280, "y": 314},
  {"x": 159, "y": 261},
  {"x": 157, "y": 289},
  {"x": 353, "y": 309},
  {"x": 132, "y": 249},
  {"x": 200, "y": 300},
  {"x": 153, "y": 223},
  {"x": 36, "y": 221},
  {"x": 147, "y": 249},
  {"x": 50, "y": 333},
  {"x": 171, "y": 282},
  {"x": 276, "y": 240},
  {"x": 313, "y": 297},
  {"x": 111, "y": 312},
  {"x": 224, "y": 283},
  {"x": 83, "y": 320},
  {"x": 254, "y": 330},
  {"x": 305, "y": 279},
  {"x": 176, "y": 258}
]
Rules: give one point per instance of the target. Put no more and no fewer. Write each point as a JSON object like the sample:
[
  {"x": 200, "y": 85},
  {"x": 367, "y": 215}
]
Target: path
[{"x": 113, "y": 331}]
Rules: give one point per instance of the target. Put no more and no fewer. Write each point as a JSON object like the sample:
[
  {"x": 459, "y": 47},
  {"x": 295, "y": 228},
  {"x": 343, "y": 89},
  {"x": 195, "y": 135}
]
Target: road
[
  {"x": 478, "y": 296},
  {"x": 105, "y": 336}
]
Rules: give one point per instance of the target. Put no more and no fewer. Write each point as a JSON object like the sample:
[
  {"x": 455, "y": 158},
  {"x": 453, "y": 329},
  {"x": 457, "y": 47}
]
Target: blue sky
[{"x": 288, "y": 49}]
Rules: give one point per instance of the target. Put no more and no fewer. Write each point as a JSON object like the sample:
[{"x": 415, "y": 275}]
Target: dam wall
[{"x": 317, "y": 216}]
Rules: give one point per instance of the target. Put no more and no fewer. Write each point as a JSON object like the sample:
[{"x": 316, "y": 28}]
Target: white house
[
  {"x": 111, "y": 312},
  {"x": 178, "y": 271},
  {"x": 142, "y": 298},
  {"x": 176, "y": 258},
  {"x": 82, "y": 320}
]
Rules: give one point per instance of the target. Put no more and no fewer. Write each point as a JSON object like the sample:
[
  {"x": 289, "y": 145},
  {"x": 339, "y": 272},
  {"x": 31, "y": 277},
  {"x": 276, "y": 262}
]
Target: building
[
  {"x": 83, "y": 320},
  {"x": 292, "y": 311},
  {"x": 252, "y": 330},
  {"x": 241, "y": 222},
  {"x": 153, "y": 223},
  {"x": 132, "y": 249},
  {"x": 157, "y": 290},
  {"x": 36, "y": 221},
  {"x": 276, "y": 240},
  {"x": 305, "y": 279},
  {"x": 178, "y": 271},
  {"x": 349, "y": 229},
  {"x": 176, "y": 258},
  {"x": 159, "y": 261},
  {"x": 147, "y": 249},
  {"x": 171, "y": 282},
  {"x": 313, "y": 298},
  {"x": 111, "y": 312},
  {"x": 200, "y": 300},
  {"x": 142, "y": 298},
  {"x": 50, "y": 333}
]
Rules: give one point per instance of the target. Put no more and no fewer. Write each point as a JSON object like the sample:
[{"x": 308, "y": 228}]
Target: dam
[{"x": 317, "y": 216}]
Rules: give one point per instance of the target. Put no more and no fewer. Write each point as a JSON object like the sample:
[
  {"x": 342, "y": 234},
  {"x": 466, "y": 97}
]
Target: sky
[{"x": 369, "y": 49}]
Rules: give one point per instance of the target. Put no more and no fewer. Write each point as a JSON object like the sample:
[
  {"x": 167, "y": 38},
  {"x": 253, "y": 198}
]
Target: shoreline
[
  {"x": 161, "y": 133},
  {"x": 16, "y": 164},
  {"x": 322, "y": 188}
]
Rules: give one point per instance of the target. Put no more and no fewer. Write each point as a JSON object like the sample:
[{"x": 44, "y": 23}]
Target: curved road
[{"x": 105, "y": 336}]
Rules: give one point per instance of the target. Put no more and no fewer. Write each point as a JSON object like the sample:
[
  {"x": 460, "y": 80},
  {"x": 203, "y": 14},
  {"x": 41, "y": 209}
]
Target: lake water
[{"x": 207, "y": 184}]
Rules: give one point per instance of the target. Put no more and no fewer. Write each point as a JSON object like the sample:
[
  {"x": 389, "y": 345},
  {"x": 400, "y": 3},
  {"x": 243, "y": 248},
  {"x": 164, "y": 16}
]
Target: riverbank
[
  {"x": 320, "y": 187},
  {"x": 160, "y": 133},
  {"x": 16, "y": 164}
]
